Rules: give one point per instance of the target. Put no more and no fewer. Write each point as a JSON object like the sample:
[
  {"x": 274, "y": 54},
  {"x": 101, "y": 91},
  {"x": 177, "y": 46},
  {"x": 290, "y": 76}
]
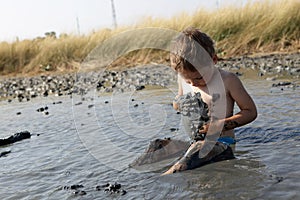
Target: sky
[{"x": 33, "y": 18}]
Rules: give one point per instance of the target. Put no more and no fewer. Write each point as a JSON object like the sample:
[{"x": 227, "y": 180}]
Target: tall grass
[{"x": 261, "y": 27}]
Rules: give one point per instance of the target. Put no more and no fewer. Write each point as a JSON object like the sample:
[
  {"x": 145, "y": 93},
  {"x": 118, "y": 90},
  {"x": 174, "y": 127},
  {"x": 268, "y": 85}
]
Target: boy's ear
[{"x": 215, "y": 59}]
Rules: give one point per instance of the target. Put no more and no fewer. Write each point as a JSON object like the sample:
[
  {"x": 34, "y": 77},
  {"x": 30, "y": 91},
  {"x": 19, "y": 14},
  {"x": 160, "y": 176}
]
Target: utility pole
[
  {"x": 114, "y": 14},
  {"x": 78, "y": 27},
  {"x": 218, "y": 4}
]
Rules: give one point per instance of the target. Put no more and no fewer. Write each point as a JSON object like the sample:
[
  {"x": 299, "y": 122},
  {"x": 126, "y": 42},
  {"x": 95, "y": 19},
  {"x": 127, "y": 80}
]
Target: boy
[{"x": 193, "y": 57}]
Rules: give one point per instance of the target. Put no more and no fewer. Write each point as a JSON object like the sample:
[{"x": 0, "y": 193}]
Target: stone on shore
[
  {"x": 137, "y": 78},
  {"x": 14, "y": 138}
]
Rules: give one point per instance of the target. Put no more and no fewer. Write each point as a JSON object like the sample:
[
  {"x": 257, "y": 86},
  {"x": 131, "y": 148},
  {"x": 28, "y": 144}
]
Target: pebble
[
  {"x": 137, "y": 78},
  {"x": 112, "y": 188},
  {"x": 173, "y": 129},
  {"x": 272, "y": 64},
  {"x": 4, "y": 153}
]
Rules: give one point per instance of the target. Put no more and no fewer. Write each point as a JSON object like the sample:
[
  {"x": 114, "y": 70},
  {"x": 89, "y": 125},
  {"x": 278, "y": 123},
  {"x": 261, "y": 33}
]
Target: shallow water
[{"x": 92, "y": 144}]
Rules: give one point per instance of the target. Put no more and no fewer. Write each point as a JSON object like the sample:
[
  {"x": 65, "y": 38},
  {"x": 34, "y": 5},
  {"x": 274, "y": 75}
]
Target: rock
[
  {"x": 40, "y": 109},
  {"x": 14, "y": 138},
  {"x": 58, "y": 102},
  {"x": 112, "y": 188},
  {"x": 173, "y": 129},
  {"x": 284, "y": 83},
  {"x": 75, "y": 187},
  {"x": 79, "y": 192},
  {"x": 4, "y": 153},
  {"x": 139, "y": 87},
  {"x": 238, "y": 73}
]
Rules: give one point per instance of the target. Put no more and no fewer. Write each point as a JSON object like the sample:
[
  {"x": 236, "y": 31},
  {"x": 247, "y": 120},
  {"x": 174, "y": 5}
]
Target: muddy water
[{"x": 92, "y": 141}]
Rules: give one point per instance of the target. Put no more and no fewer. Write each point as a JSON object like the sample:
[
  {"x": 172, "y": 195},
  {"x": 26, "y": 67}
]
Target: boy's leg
[
  {"x": 182, "y": 164},
  {"x": 191, "y": 159}
]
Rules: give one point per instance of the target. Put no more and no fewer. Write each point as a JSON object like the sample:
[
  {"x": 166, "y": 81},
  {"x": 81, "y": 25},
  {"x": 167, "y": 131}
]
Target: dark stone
[
  {"x": 238, "y": 73},
  {"x": 140, "y": 87},
  {"x": 58, "y": 102},
  {"x": 279, "y": 179},
  {"x": 284, "y": 83},
  {"x": 14, "y": 138},
  {"x": 4, "y": 153},
  {"x": 99, "y": 85},
  {"x": 98, "y": 187},
  {"x": 80, "y": 192},
  {"x": 75, "y": 187},
  {"x": 260, "y": 74},
  {"x": 112, "y": 188},
  {"x": 40, "y": 109},
  {"x": 45, "y": 93},
  {"x": 18, "y": 113},
  {"x": 72, "y": 187}
]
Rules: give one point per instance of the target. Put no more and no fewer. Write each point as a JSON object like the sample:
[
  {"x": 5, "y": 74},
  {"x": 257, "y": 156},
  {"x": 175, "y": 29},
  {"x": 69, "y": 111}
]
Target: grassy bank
[{"x": 263, "y": 27}]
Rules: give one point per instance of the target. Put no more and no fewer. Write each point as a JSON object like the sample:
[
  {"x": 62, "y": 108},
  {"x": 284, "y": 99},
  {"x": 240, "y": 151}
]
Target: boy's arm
[
  {"x": 248, "y": 111},
  {"x": 180, "y": 93}
]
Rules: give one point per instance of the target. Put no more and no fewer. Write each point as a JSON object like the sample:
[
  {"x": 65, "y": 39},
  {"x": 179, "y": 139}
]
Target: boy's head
[{"x": 190, "y": 50}]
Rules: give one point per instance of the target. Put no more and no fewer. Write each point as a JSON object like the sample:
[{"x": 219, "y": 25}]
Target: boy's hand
[
  {"x": 215, "y": 126},
  {"x": 204, "y": 129},
  {"x": 175, "y": 103}
]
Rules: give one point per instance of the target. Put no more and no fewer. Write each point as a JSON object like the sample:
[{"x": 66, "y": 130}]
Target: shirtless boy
[{"x": 187, "y": 58}]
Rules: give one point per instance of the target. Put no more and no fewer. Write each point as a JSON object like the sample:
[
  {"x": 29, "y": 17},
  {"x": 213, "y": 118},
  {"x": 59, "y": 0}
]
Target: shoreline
[{"x": 271, "y": 67}]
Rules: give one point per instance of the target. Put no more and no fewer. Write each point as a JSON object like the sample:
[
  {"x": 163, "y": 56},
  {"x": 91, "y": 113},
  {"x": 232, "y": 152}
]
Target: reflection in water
[{"x": 223, "y": 180}]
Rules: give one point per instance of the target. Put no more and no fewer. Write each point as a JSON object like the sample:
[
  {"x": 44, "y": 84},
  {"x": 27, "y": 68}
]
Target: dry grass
[{"x": 262, "y": 27}]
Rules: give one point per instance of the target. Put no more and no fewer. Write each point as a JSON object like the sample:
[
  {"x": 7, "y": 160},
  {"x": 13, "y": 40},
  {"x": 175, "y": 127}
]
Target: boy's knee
[{"x": 178, "y": 167}]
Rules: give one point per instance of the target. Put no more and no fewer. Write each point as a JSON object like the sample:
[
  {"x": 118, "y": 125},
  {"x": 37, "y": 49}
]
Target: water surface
[{"x": 92, "y": 143}]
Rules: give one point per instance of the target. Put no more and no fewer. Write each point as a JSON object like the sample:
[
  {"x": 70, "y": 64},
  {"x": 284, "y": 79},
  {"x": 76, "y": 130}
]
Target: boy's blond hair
[{"x": 187, "y": 47}]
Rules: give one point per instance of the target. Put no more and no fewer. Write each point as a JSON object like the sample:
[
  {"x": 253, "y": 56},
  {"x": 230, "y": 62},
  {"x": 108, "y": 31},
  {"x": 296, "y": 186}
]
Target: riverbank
[{"x": 272, "y": 67}]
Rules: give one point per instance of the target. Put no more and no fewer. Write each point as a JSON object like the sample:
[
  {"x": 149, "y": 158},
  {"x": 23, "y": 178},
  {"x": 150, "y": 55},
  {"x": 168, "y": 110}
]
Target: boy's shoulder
[
  {"x": 227, "y": 75},
  {"x": 230, "y": 80}
]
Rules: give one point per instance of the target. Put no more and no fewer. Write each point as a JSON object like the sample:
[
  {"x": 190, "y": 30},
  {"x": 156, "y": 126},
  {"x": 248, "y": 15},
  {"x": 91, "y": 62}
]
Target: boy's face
[{"x": 197, "y": 79}]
